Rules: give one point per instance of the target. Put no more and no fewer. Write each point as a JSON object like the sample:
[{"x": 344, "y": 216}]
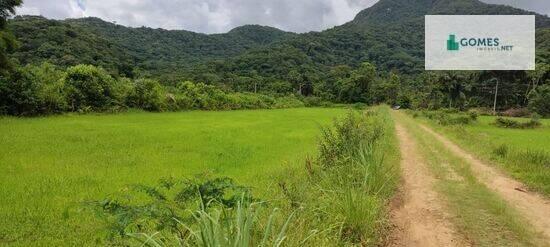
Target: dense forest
[{"x": 376, "y": 58}]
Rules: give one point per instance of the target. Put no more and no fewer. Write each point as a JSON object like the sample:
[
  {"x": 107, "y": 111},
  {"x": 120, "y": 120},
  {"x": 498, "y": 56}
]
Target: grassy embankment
[
  {"x": 522, "y": 153},
  {"x": 477, "y": 212},
  {"x": 48, "y": 166}
]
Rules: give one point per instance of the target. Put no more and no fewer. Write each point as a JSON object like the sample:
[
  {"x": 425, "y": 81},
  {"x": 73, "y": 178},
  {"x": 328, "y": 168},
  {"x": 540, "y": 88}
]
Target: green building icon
[{"x": 452, "y": 45}]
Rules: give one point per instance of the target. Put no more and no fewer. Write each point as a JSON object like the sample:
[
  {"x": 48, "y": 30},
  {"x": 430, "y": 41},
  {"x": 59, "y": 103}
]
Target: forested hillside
[
  {"x": 120, "y": 49},
  {"x": 389, "y": 34},
  {"x": 380, "y": 51}
]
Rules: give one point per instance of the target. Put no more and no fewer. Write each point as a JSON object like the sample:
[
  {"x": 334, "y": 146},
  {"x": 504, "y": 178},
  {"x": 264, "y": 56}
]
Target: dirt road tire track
[
  {"x": 534, "y": 207},
  {"x": 420, "y": 218}
]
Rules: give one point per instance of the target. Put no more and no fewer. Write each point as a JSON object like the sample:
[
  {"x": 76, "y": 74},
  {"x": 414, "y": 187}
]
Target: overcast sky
[{"x": 216, "y": 16}]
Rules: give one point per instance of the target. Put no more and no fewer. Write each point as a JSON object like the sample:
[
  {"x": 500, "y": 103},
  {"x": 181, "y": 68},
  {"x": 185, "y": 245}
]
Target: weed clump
[
  {"x": 501, "y": 151},
  {"x": 514, "y": 124},
  {"x": 179, "y": 208}
]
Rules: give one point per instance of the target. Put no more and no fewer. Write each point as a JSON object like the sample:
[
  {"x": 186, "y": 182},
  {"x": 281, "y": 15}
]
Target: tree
[
  {"x": 88, "y": 86},
  {"x": 51, "y": 91},
  {"x": 7, "y": 40},
  {"x": 542, "y": 70},
  {"x": 356, "y": 87},
  {"x": 456, "y": 85},
  {"x": 19, "y": 93},
  {"x": 539, "y": 100},
  {"x": 148, "y": 95},
  {"x": 386, "y": 91}
]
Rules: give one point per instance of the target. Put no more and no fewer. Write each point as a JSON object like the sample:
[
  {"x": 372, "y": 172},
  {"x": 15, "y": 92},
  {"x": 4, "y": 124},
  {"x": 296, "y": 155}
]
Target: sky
[{"x": 219, "y": 16}]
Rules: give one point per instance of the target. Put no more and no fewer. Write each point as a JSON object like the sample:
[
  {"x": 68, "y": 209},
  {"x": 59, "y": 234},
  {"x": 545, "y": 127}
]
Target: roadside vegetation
[{"x": 518, "y": 145}]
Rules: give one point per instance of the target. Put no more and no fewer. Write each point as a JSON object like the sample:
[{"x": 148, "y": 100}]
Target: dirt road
[
  {"x": 420, "y": 217},
  {"x": 532, "y": 206}
]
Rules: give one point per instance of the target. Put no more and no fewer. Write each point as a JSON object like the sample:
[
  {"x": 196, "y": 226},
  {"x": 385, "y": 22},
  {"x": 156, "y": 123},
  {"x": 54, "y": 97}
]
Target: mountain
[
  {"x": 118, "y": 48},
  {"x": 390, "y": 34}
]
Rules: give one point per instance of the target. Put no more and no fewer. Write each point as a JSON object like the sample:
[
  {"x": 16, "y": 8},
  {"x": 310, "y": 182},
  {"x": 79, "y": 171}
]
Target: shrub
[
  {"x": 482, "y": 111},
  {"x": 516, "y": 112},
  {"x": 90, "y": 88},
  {"x": 513, "y": 124},
  {"x": 539, "y": 100},
  {"x": 450, "y": 110},
  {"x": 146, "y": 208},
  {"x": 20, "y": 94},
  {"x": 345, "y": 139},
  {"x": 288, "y": 102},
  {"x": 443, "y": 118},
  {"x": 148, "y": 95},
  {"x": 353, "y": 178},
  {"x": 473, "y": 115},
  {"x": 313, "y": 101},
  {"x": 51, "y": 92},
  {"x": 239, "y": 226}
]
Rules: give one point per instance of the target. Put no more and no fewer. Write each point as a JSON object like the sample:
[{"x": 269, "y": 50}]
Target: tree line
[{"x": 42, "y": 75}]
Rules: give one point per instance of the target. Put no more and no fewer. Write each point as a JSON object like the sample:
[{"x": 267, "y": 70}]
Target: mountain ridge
[{"x": 376, "y": 34}]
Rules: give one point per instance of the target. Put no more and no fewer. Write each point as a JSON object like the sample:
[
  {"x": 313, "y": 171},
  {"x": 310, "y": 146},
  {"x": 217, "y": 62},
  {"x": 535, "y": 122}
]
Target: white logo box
[{"x": 515, "y": 35}]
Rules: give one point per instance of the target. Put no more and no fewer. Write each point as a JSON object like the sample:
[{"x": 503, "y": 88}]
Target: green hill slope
[{"x": 390, "y": 34}]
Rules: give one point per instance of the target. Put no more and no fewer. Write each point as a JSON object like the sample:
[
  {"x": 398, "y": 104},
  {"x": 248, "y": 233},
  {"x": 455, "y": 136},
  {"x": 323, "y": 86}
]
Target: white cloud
[{"x": 215, "y": 16}]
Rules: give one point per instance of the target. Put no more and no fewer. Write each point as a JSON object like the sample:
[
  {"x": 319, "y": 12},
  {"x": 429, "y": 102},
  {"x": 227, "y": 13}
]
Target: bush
[
  {"x": 313, "y": 101},
  {"x": 51, "y": 92},
  {"x": 148, "y": 95},
  {"x": 473, "y": 115},
  {"x": 20, "y": 94},
  {"x": 516, "y": 112},
  {"x": 513, "y": 124},
  {"x": 90, "y": 88},
  {"x": 444, "y": 118},
  {"x": 162, "y": 207},
  {"x": 482, "y": 111},
  {"x": 288, "y": 102},
  {"x": 539, "y": 100}
]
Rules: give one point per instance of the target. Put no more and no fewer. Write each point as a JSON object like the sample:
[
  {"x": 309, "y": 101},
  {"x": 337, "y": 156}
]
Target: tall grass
[
  {"x": 343, "y": 193},
  {"x": 237, "y": 227}
]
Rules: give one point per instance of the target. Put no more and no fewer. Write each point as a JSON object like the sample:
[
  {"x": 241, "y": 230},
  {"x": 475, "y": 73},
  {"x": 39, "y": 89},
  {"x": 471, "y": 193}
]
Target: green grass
[
  {"x": 342, "y": 197},
  {"x": 477, "y": 212},
  {"x": 523, "y": 153},
  {"x": 48, "y": 166}
]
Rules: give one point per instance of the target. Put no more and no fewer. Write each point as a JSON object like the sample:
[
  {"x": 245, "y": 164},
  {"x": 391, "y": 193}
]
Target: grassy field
[
  {"x": 48, "y": 166},
  {"x": 523, "y": 153}
]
